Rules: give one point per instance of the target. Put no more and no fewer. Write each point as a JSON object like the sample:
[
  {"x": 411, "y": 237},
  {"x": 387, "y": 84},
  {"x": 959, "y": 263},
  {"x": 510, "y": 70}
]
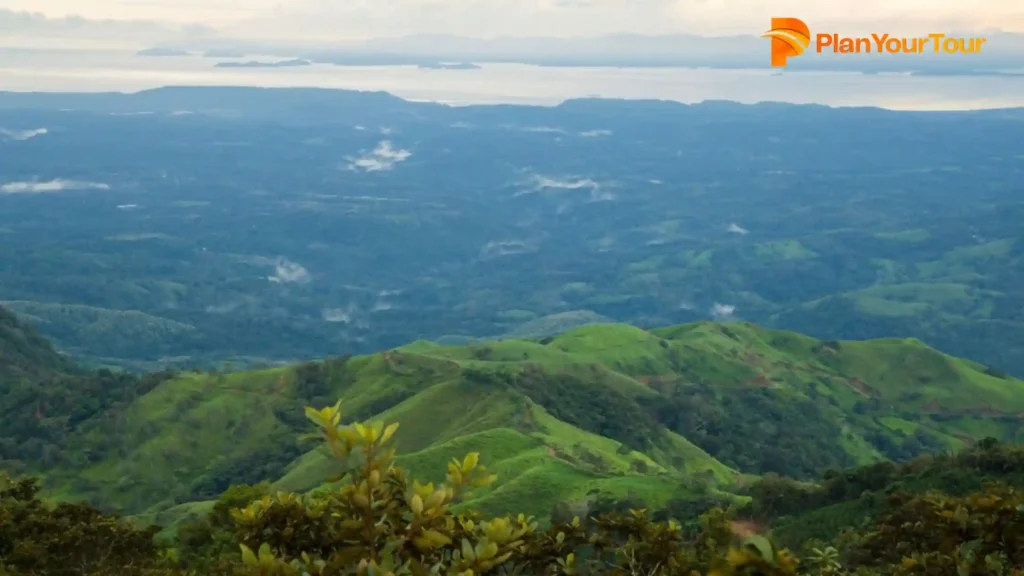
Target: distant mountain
[
  {"x": 1002, "y": 51},
  {"x": 257, "y": 64}
]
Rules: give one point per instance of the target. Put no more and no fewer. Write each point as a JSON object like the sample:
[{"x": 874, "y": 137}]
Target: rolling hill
[{"x": 691, "y": 411}]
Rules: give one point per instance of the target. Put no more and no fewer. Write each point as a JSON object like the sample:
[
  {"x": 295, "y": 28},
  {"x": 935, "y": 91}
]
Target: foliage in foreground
[{"x": 377, "y": 521}]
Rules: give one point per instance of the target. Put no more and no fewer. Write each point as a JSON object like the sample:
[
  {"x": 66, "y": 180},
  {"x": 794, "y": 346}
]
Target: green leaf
[{"x": 248, "y": 557}]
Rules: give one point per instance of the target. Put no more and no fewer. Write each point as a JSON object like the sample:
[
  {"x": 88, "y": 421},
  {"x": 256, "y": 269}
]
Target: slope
[{"x": 672, "y": 413}]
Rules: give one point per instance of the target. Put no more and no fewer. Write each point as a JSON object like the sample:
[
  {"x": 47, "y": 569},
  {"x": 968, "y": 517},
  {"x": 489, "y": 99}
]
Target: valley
[{"x": 167, "y": 228}]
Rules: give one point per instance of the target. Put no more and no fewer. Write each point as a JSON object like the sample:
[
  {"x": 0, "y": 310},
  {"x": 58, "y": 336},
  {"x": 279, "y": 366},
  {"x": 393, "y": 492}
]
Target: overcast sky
[{"x": 342, "y": 19}]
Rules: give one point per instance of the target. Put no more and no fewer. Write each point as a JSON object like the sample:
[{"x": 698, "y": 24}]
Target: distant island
[
  {"x": 444, "y": 66},
  {"x": 255, "y": 64},
  {"x": 162, "y": 52}
]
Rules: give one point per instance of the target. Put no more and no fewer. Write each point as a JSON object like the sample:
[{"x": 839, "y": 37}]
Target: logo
[{"x": 790, "y": 37}]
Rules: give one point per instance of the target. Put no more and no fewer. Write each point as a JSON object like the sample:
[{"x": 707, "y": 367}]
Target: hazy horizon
[{"x": 324, "y": 20}]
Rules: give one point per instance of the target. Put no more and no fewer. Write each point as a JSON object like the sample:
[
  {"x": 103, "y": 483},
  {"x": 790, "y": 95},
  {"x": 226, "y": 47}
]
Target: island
[{"x": 256, "y": 64}]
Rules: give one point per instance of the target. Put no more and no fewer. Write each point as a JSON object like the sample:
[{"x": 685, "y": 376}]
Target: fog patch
[
  {"x": 51, "y": 186},
  {"x": 340, "y": 315},
  {"x": 496, "y": 249},
  {"x": 382, "y": 158},
  {"x": 21, "y": 135},
  {"x": 722, "y": 311},
  {"x": 538, "y": 183},
  {"x": 288, "y": 272}
]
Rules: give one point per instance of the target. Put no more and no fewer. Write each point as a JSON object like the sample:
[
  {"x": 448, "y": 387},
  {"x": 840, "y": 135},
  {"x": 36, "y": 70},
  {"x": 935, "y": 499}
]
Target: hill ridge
[{"x": 678, "y": 412}]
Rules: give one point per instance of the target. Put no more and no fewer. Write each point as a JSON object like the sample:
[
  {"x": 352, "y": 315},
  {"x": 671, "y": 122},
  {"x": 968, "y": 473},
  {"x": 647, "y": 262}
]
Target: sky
[{"x": 319, "y": 20}]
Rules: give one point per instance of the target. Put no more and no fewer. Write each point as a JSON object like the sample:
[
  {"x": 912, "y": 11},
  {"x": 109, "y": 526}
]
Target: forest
[{"x": 295, "y": 224}]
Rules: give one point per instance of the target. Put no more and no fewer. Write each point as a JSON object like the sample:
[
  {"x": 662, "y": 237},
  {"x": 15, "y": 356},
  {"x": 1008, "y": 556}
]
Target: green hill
[
  {"x": 798, "y": 512},
  {"x": 677, "y": 413}
]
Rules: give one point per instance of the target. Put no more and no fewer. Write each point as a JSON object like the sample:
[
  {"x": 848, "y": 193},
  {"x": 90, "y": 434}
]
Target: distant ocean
[{"x": 514, "y": 83}]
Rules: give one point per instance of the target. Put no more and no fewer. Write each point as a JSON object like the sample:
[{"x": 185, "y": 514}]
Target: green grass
[{"x": 189, "y": 425}]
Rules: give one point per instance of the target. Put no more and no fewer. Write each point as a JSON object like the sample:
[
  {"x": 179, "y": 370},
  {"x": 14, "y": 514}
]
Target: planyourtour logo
[{"x": 791, "y": 37}]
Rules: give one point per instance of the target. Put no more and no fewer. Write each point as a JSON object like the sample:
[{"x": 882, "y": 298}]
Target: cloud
[
  {"x": 737, "y": 229},
  {"x": 595, "y": 133},
  {"x": 288, "y": 272},
  {"x": 340, "y": 315},
  {"x": 722, "y": 311},
  {"x": 383, "y": 157},
  {"x": 538, "y": 183},
  {"x": 22, "y": 134},
  {"x": 543, "y": 129},
  {"x": 33, "y": 29},
  {"x": 58, "y": 185},
  {"x": 496, "y": 249}
]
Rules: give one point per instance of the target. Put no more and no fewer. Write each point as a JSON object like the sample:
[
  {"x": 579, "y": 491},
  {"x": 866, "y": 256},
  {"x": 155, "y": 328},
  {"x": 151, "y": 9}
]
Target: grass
[{"x": 185, "y": 426}]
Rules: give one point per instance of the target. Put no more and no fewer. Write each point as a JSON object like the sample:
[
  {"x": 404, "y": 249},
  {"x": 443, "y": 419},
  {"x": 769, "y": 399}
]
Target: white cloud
[
  {"x": 57, "y": 185},
  {"x": 543, "y": 129},
  {"x": 59, "y": 24},
  {"x": 383, "y": 157},
  {"x": 288, "y": 272},
  {"x": 538, "y": 183},
  {"x": 595, "y": 133},
  {"x": 737, "y": 229},
  {"x": 339, "y": 315},
  {"x": 495, "y": 249},
  {"x": 22, "y": 134},
  {"x": 722, "y": 311}
]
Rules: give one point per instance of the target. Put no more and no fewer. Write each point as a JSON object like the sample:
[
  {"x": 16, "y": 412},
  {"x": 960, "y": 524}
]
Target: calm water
[{"x": 513, "y": 83}]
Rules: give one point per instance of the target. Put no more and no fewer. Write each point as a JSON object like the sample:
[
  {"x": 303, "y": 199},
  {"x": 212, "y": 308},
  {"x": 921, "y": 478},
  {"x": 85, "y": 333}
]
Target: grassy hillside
[{"x": 685, "y": 412}]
